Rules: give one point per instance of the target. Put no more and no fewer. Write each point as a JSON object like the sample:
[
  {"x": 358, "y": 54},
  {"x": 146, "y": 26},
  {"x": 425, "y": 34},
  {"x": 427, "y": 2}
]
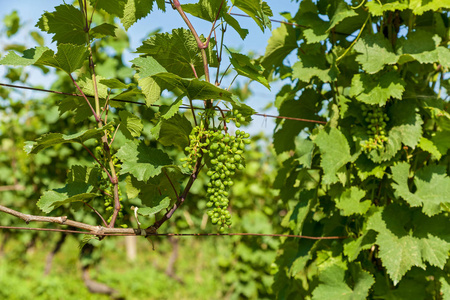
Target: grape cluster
[
  {"x": 376, "y": 120},
  {"x": 107, "y": 186},
  {"x": 223, "y": 155}
]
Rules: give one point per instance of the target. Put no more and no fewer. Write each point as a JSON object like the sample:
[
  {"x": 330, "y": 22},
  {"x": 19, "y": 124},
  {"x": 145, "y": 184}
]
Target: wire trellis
[{"x": 156, "y": 105}]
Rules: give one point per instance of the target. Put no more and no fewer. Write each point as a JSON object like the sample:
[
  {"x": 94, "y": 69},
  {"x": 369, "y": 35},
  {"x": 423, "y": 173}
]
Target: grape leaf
[
  {"x": 377, "y": 9},
  {"x": 208, "y": 10},
  {"x": 312, "y": 63},
  {"x": 66, "y": 22},
  {"x": 315, "y": 28},
  {"x": 84, "y": 174},
  {"x": 173, "y": 131},
  {"x": 399, "y": 255},
  {"x": 258, "y": 10},
  {"x": 103, "y": 30},
  {"x": 376, "y": 52},
  {"x": 342, "y": 12},
  {"x": 353, "y": 247},
  {"x": 150, "y": 211},
  {"x": 419, "y": 7},
  {"x": 12, "y": 23},
  {"x": 248, "y": 68},
  {"x": 52, "y": 139},
  {"x": 335, "y": 153},
  {"x": 193, "y": 88},
  {"x": 72, "y": 192},
  {"x": 282, "y": 42},
  {"x": 367, "y": 89},
  {"x": 150, "y": 192},
  {"x": 305, "y": 107},
  {"x": 428, "y": 145},
  {"x": 349, "y": 202},
  {"x": 114, "y": 83},
  {"x": 130, "y": 125},
  {"x": 135, "y": 10},
  {"x": 332, "y": 284},
  {"x": 165, "y": 49},
  {"x": 432, "y": 184},
  {"x": 420, "y": 45},
  {"x": 112, "y": 7},
  {"x": 406, "y": 123},
  {"x": 141, "y": 161},
  {"x": 435, "y": 250},
  {"x": 399, "y": 251},
  {"x": 68, "y": 58},
  {"x": 87, "y": 86}
]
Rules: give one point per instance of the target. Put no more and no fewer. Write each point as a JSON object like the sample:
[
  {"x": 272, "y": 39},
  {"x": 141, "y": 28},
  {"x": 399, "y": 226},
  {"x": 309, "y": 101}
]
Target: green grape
[
  {"x": 376, "y": 120},
  {"x": 224, "y": 155}
]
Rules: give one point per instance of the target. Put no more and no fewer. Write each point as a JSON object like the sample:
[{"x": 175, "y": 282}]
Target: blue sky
[{"x": 30, "y": 11}]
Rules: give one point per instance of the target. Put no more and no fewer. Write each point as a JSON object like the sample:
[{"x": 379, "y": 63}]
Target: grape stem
[{"x": 180, "y": 199}]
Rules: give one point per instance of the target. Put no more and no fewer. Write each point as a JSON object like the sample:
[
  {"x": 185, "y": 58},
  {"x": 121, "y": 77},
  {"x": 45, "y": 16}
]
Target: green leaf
[
  {"x": 445, "y": 288},
  {"x": 248, "y": 68},
  {"x": 377, "y": 9},
  {"x": 306, "y": 108},
  {"x": 235, "y": 25},
  {"x": 173, "y": 131},
  {"x": 406, "y": 123},
  {"x": 313, "y": 63},
  {"x": 79, "y": 107},
  {"x": 141, "y": 161},
  {"x": 66, "y": 22},
  {"x": 427, "y": 145},
  {"x": 376, "y": 52},
  {"x": 435, "y": 251},
  {"x": 87, "y": 86},
  {"x": 112, "y": 7},
  {"x": 84, "y": 174},
  {"x": 316, "y": 29},
  {"x": 52, "y": 139},
  {"x": 441, "y": 140},
  {"x": 332, "y": 284},
  {"x": 367, "y": 89},
  {"x": 135, "y": 10},
  {"x": 193, "y": 88},
  {"x": 432, "y": 184},
  {"x": 258, "y": 10},
  {"x": 399, "y": 251},
  {"x": 353, "y": 247},
  {"x": 150, "y": 192},
  {"x": 165, "y": 49},
  {"x": 420, "y": 45},
  {"x": 208, "y": 10},
  {"x": 342, "y": 12},
  {"x": 282, "y": 42},
  {"x": 349, "y": 202},
  {"x": 335, "y": 153},
  {"x": 130, "y": 125},
  {"x": 114, "y": 83},
  {"x": 103, "y": 30},
  {"x": 68, "y": 58},
  {"x": 12, "y": 23},
  {"x": 72, "y": 192},
  {"x": 418, "y": 7},
  {"x": 399, "y": 255},
  {"x": 150, "y": 211}
]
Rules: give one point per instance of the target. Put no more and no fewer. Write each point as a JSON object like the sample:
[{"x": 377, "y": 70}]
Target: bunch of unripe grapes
[
  {"x": 375, "y": 119},
  {"x": 107, "y": 186},
  {"x": 223, "y": 153}
]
